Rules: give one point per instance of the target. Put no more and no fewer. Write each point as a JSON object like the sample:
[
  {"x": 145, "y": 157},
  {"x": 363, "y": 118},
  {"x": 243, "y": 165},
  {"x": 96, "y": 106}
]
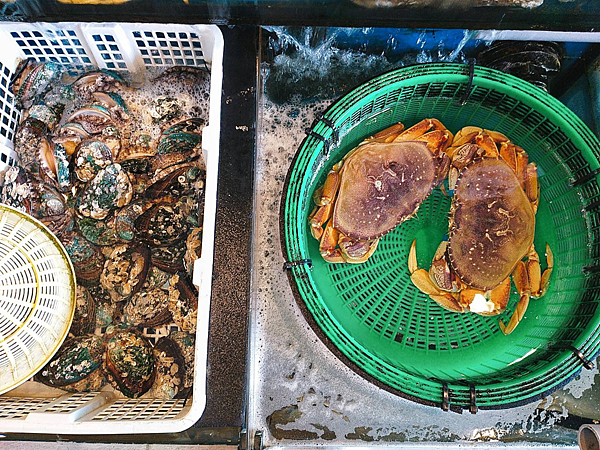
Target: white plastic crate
[{"x": 131, "y": 48}]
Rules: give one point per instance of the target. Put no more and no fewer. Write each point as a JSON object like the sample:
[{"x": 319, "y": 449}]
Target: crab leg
[
  {"x": 489, "y": 303},
  {"x": 422, "y": 281},
  {"x": 488, "y": 145},
  {"x": 532, "y": 188},
  {"x": 436, "y": 140},
  {"x": 465, "y": 135},
  {"x": 521, "y": 280},
  {"x": 497, "y": 136},
  {"x": 529, "y": 283},
  {"x": 539, "y": 281},
  {"x": 330, "y": 187},
  {"x": 546, "y": 274},
  {"x": 389, "y": 134},
  {"x": 420, "y": 129},
  {"x": 440, "y": 272},
  {"x": 461, "y": 156}
]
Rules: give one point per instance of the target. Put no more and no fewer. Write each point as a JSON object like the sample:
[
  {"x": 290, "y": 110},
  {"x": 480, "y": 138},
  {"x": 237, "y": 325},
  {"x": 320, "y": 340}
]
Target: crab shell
[
  {"x": 128, "y": 362},
  {"x": 492, "y": 224},
  {"x": 382, "y": 185},
  {"x": 76, "y": 366}
]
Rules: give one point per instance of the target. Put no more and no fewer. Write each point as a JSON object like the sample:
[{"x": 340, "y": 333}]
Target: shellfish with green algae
[
  {"x": 110, "y": 189},
  {"x": 77, "y": 365},
  {"x": 128, "y": 361}
]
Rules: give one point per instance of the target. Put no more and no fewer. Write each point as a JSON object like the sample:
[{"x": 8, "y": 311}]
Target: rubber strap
[
  {"x": 445, "y": 396},
  {"x": 289, "y": 264},
  {"x": 465, "y": 96},
  {"x": 473, "y": 405},
  {"x": 586, "y": 362},
  {"x": 585, "y": 178}
]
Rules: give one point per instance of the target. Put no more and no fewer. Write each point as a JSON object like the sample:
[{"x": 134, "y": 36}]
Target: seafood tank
[
  {"x": 301, "y": 394},
  {"x": 135, "y": 298},
  {"x": 116, "y": 173}
]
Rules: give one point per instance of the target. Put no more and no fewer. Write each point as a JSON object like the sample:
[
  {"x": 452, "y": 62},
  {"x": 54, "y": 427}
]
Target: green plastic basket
[{"x": 373, "y": 317}]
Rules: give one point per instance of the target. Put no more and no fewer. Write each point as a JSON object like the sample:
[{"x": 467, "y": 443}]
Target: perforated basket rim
[
  {"x": 537, "y": 384},
  {"x": 73, "y": 286}
]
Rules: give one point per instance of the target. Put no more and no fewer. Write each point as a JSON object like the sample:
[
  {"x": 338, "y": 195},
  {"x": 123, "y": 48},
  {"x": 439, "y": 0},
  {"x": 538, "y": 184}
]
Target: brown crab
[
  {"x": 491, "y": 231},
  {"x": 377, "y": 185}
]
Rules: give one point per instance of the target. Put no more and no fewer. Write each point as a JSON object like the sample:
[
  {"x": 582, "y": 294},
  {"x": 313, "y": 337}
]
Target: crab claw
[
  {"x": 318, "y": 218},
  {"x": 448, "y": 302},
  {"x": 440, "y": 272},
  {"x": 423, "y": 282},
  {"x": 356, "y": 251},
  {"x": 420, "y": 277},
  {"x": 329, "y": 241}
]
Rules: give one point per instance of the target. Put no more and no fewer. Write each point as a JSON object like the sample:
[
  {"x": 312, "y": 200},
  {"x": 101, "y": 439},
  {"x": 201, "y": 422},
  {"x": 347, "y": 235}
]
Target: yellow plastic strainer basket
[{"x": 37, "y": 296}]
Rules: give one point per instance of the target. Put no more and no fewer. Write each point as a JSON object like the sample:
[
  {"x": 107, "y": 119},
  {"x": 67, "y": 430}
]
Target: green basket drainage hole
[{"x": 378, "y": 306}]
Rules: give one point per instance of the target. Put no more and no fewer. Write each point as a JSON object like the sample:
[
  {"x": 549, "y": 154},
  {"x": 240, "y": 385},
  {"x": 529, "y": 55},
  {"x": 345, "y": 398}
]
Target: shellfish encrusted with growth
[
  {"x": 128, "y": 361},
  {"x": 77, "y": 365},
  {"x": 186, "y": 342},
  {"x": 110, "y": 189},
  {"x": 84, "y": 319},
  {"x": 183, "y": 302},
  {"x": 90, "y": 157},
  {"x": 73, "y": 182},
  {"x": 170, "y": 370},
  {"x": 125, "y": 271},
  {"x": 148, "y": 308},
  {"x": 106, "y": 309},
  {"x": 87, "y": 259}
]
